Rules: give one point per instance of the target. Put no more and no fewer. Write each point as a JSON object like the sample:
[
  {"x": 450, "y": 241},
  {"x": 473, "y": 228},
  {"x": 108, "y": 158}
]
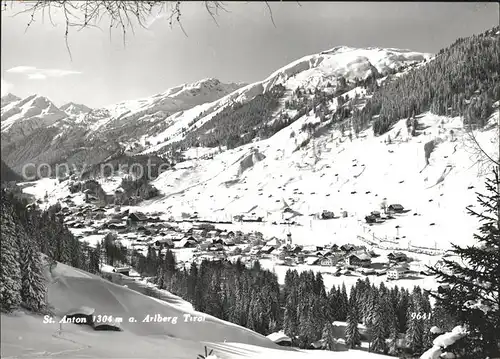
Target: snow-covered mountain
[
  {"x": 326, "y": 70},
  {"x": 20, "y": 118},
  {"x": 176, "y": 99},
  {"x": 75, "y": 109},
  {"x": 78, "y": 131},
  {"x": 9, "y": 98}
]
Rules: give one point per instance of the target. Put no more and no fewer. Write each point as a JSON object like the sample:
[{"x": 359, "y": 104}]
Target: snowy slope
[
  {"x": 336, "y": 174},
  {"x": 332, "y": 173},
  {"x": 69, "y": 288}
]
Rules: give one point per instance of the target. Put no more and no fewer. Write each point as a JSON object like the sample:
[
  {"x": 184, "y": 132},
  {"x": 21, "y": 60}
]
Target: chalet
[
  {"x": 192, "y": 239},
  {"x": 136, "y": 217},
  {"x": 204, "y": 246},
  {"x": 123, "y": 270},
  {"x": 375, "y": 214},
  {"x": 238, "y": 218},
  {"x": 323, "y": 253},
  {"x": 328, "y": 261},
  {"x": 276, "y": 242},
  {"x": 327, "y": 214},
  {"x": 267, "y": 249},
  {"x": 185, "y": 243},
  {"x": 312, "y": 261},
  {"x": 366, "y": 271},
  {"x": 114, "y": 221},
  {"x": 396, "y": 273},
  {"x": 255, "y": 250},
  {"x": 358, "y": 259},
  {"x": 335, "y": 248},
  {"x": 335, "y": 259},
  {"x": 397, "y": 257},
  {"x": 229, "y": 242},
  {"x": 218, "y": 241},
  {"x": 164, "y": 243},
  {"x": 253, "y": 218},
  {"x": 197, "y": 232},
  {"x": 344, "y": 214},
  {"x": 371, "y": 219},
  {"x": 294, "y": 248},
  {"x": 217, "y": 247},
  {"x": 397, "y": 208},
  {"x": 176, "y": 237},
  {"x": 117, "y": 227},
  {"x": 347, "y": 247}
]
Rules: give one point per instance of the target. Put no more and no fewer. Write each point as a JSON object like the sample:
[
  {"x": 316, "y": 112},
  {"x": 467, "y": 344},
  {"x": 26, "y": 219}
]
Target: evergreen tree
[
  {"x": 378, "y": 344},
  {"x": 343, "y": 303},
  {"x": 471, "y": 290},
  {"x": 10, "y": 272},
  {"x": 328, "y": 337},
  {"x": 94, "y": 258},
  {"x": 290, "y": 321},
  {"x": 352, "y": 336},
  {"x": 191, "y": 284},
  {"x": 33, "y": 289},
  {"x": 414, "y": 333},
  {"x": 401, "y": 310}
]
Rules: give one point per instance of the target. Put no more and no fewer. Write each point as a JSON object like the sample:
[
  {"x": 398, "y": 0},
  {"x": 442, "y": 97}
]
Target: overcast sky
[{"x": 245, "y": 47}]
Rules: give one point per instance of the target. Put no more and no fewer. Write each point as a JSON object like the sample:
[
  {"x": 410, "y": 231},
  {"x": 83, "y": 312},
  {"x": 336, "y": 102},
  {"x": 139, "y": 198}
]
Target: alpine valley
[{"x": 356, "y": 163}]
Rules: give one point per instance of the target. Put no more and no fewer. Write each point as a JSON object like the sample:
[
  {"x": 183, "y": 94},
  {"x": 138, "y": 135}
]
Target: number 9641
[{"x": 420, "y": 316}]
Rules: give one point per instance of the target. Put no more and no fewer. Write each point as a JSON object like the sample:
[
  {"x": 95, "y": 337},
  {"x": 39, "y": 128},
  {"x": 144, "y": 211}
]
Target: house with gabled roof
[
  {"x": 397, "y": 257},
  {"x": 397, "y": 272},
  {"x": 136, "y": 218},
  {"x": 361, "y": 259},
  {"x": 397, "y": 208}
]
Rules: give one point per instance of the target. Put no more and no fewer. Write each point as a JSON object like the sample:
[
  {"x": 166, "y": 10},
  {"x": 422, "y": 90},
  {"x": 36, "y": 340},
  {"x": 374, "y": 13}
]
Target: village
[{"x": 192, "y": 239}]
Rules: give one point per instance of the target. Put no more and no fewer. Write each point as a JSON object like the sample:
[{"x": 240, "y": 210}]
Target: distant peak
[
  {"x": 72, "y": 108},
  {"x": 9, "y": 98},
  {"x": 344, "y": 48}
]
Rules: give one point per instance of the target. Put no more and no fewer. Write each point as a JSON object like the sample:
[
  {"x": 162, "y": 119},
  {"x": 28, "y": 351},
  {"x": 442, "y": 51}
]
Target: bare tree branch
[
  {"x": 482, "y": 158},
  {"x": 121, "y": 14},
  {"x": 270, "y": 13}
]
